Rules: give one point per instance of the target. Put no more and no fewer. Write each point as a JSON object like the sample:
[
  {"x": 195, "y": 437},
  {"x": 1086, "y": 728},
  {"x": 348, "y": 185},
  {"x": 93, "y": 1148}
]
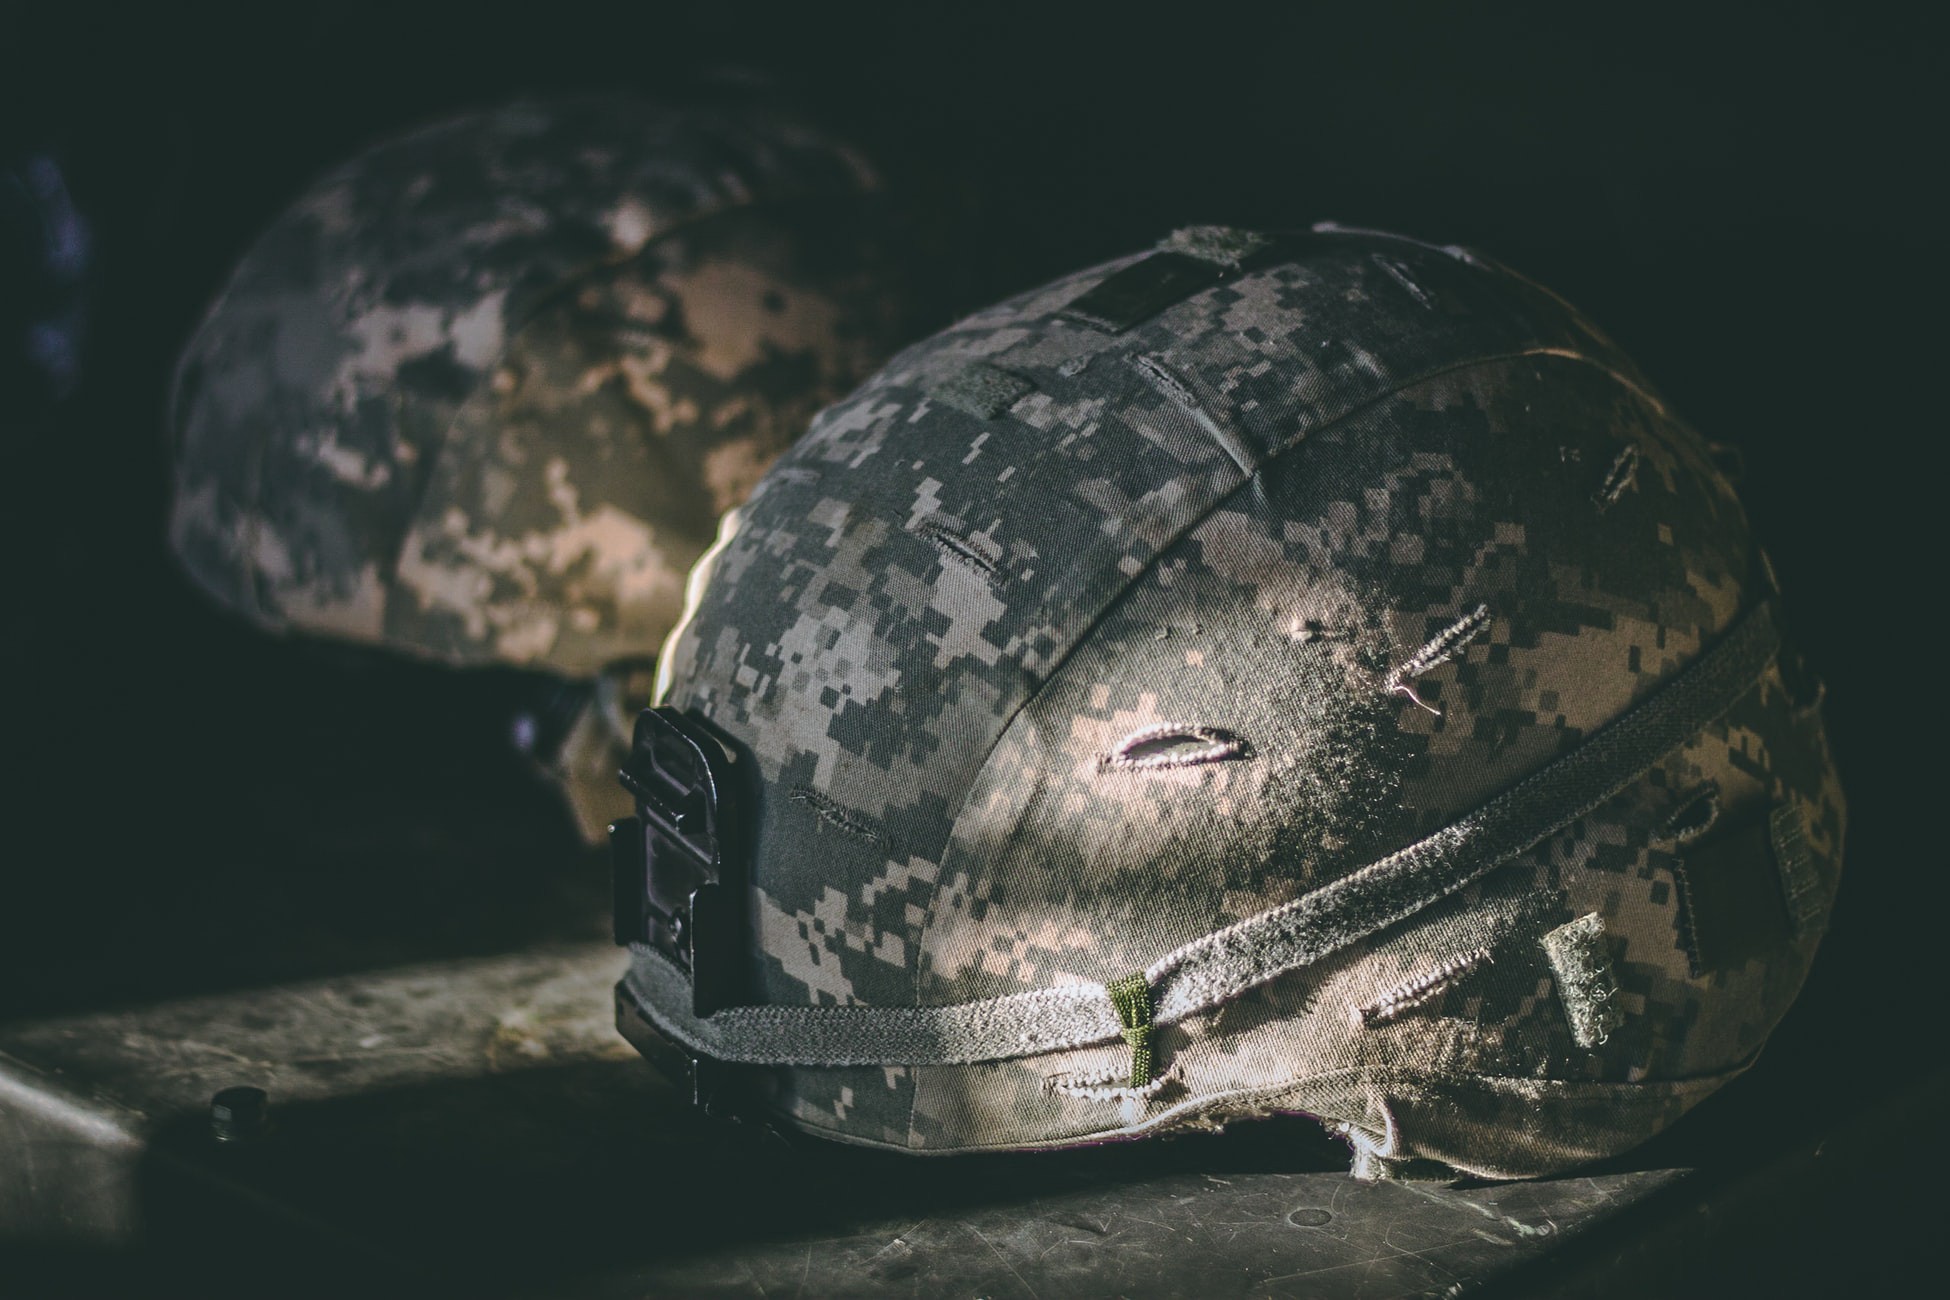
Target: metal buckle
[{"x": 679, "y": 864}]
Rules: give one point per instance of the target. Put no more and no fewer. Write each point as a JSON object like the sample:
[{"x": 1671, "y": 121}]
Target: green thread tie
[{"x": 1131, "y": 996}]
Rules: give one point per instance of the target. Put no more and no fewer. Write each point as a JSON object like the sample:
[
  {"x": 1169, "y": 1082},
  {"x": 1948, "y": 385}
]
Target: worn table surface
[
  {"x": 476, "y": 1127},
  {"x": 479, "y": 1124}
]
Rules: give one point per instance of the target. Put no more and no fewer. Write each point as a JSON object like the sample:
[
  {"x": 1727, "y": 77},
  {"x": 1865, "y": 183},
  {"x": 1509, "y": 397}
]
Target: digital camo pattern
[
  {"x": 1400, "y": 524},
  {"x": 480, "y": 393}
]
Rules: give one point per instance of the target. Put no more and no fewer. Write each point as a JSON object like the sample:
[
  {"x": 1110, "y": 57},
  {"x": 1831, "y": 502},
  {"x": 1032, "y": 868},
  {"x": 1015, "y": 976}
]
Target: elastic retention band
[
  {"x": 1210, "y": 971},
  {"x": 1131, "y": 996}
]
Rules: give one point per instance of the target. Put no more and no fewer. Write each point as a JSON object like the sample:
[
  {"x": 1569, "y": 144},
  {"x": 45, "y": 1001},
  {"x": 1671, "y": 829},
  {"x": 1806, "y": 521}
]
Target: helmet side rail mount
[
  {"x": 680, "y": 871},
  {"x": 680, "y": 865}
]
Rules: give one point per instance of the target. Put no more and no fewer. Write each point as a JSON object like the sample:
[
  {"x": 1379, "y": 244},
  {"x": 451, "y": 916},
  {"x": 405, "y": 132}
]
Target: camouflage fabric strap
[{"x": 1210, "y": 971}]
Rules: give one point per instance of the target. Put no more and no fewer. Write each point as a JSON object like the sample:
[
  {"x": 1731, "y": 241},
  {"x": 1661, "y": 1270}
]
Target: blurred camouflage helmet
[
  {"x": 1310, "y": 673},
  {"x": 481, "y": 394}
]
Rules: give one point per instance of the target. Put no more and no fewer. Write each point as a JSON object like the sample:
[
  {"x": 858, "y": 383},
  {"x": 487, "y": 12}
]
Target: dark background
[{"x": 1744, "y": 200}]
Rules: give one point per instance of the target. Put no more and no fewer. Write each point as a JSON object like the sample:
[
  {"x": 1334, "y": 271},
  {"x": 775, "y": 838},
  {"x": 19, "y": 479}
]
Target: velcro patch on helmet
[
  {"x": 1221, "y": 245},
  {"x": 1732, "y": 909},
  {"x": 1800, "y": 885},
  {"x": 1142, "y": 290},
  {"x": 1585, "y": 984},
  {"x": 982, "y": 390}
]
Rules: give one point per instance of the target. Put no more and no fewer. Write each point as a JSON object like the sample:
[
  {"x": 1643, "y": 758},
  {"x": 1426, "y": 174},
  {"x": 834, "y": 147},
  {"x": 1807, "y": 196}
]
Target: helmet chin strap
[{"x": 1211, "y": 971}]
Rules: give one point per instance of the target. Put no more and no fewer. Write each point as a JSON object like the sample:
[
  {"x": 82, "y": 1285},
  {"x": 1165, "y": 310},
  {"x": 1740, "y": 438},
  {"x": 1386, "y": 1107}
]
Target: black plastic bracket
[
  {"x": 679, "y": 864},
  {"x": 711, "y": 1086}
]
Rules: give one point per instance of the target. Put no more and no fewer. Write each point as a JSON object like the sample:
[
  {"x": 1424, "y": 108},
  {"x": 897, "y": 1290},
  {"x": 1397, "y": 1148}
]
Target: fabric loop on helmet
[
  {"x": 1211, "y": 971},
  {"x": 1132, "y": 998}
]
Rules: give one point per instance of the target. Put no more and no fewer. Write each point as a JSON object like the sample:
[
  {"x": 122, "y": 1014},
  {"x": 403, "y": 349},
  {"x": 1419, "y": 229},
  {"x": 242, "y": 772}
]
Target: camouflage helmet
[
  {"x": 481, "y": 394},
  {"x": 1312, "y": 673}
]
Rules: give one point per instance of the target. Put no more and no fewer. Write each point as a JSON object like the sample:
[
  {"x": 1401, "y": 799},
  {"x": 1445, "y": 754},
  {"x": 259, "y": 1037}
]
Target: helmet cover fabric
[
  {"x": 1157, "y": 599},
  {"x": 480, "y": 393}
]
